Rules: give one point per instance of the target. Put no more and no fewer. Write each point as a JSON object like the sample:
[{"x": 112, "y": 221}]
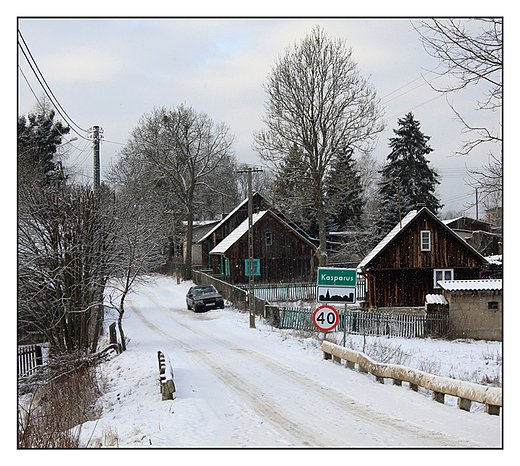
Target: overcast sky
[{"x": 110, "y": 72}]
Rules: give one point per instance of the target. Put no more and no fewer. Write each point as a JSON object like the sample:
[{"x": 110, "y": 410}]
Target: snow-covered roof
[
  {"x": 495, "y": 260},
  {"x": 389, "y": 237},
  {"x": 471, "y": 285},
  {"x": 210, "y": 232},
  {"x": 236, "y": 234},
  {"x": 436, "y": 299}
]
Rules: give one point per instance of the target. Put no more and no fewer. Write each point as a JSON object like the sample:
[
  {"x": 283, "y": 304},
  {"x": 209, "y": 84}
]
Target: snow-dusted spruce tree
[
  {"x": 318, "y": 103},
  {"x": 39, "y": 136},
  {"x": 406, "y": 178},
  {"x": 343, "y": 194},
  {"x": 181, "y": 149}
]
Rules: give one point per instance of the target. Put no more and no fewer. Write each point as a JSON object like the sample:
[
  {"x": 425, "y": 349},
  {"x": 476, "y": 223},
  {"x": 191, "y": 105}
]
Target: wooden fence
[
  {"x": 286, "y": 292},
  {"x": 29, "y": 358},
  {"x": 392, "y": 324},
  {"x": 276, "y": 292}
]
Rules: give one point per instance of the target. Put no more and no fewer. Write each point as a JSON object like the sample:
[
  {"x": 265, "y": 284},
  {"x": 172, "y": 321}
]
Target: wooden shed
[
  {"x": 410, "y": 261},
  {"x": 281, "y": 253},
  {"x": 475, "y": 308}
]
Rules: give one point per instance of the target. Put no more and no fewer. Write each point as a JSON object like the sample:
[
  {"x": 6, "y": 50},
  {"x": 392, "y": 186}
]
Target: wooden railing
[
  {"x": 439, "y": 386},
  {"x": 230, "y": 292},
  {"x": 166, "y": 376}
]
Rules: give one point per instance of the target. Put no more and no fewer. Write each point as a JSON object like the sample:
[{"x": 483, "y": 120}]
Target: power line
[
  {"x": 28, "y": 84},
  {"x": 417, "y": 106},
  {"x": 46, "y": 88}
]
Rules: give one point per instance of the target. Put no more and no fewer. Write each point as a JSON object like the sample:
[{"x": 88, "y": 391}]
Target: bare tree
[
  {"x": 139, "y": 239},
  {"x": 470, "y": 52},
  {"x": 260, "y": 181},
  {"x": 317, "y": 104},
  {"x": 180, "y": 149},
  {"x": 488, "y": 183},
  {"x": 64, "y": 247}
]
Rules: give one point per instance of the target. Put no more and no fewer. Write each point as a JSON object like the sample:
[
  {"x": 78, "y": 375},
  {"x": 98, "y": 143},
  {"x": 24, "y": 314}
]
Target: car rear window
[{"x": 202, "y": 290}]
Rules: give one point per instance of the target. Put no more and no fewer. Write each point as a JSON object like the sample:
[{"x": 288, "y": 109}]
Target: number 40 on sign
[{"x": 325, "y": 318}]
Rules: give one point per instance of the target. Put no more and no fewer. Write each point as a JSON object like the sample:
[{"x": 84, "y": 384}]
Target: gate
[{"x": 29, "y": 358}]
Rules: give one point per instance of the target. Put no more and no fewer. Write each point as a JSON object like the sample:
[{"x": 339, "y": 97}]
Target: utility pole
[
  {"x": 97, "y": 134},
  {"x": 399, "y": 200},
  {"x": 476, "y": 202},
  {"x": 251, "y": 261}
]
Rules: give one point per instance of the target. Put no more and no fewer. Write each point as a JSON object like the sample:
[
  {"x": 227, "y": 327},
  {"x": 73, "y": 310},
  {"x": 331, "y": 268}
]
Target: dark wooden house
[
  {"x": 410, "y": 261},
  {"x": 481, "y": 235},
  {"x": 282, "y": 254},
  {"x": 231, "y": 221}
]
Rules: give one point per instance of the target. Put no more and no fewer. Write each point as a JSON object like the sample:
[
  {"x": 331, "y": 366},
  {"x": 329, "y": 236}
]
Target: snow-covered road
[{"x": 238, "y": 386}]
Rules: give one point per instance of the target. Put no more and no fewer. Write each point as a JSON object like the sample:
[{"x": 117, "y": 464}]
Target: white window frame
[
  {"x": 426, "y": 245},
  {"x": 443, "y": 272},
  {"x": 268, "y": 238}
]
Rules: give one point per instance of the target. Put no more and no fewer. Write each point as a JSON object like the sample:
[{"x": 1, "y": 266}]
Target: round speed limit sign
[{"x": 325, "y": 318}]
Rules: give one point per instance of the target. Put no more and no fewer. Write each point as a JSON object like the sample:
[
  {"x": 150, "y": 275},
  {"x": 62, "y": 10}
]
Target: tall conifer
[{"x": 407, "y": 180}]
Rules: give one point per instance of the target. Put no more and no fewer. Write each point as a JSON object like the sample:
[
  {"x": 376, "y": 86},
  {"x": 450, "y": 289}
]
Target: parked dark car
[{"x": 203, "y": 298}]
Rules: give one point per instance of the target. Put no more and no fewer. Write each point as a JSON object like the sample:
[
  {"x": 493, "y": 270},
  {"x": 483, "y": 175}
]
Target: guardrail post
[
  {"x": 492, "y": 409},
  {"x": 464, "y": 404},
  {"x": 166, "y": 377}
]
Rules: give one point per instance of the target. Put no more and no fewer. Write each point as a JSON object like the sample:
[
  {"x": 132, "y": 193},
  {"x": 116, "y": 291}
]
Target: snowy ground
[{"x": 241, "y": 387}]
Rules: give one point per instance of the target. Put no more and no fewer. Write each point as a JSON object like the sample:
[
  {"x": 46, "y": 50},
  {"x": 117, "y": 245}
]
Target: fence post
[{"x": 112, "y": 333}]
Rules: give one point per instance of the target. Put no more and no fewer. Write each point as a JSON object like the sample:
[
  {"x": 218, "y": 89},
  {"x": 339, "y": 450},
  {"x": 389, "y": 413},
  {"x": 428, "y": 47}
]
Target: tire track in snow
[
  {"x": 328, "y": 394},
  {"x": 263, "y": 404}
]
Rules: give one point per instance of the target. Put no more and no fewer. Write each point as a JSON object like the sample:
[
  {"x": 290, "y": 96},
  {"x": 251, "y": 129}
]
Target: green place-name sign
[{"x": 336, "y": 277}]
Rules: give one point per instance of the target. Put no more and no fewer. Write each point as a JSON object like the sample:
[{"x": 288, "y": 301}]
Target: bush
[{"x": 51, "y": 416}]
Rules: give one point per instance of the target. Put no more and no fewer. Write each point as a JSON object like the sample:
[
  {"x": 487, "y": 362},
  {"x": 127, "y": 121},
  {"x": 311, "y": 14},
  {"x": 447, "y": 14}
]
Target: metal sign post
[{"x": 335, "y": 285}]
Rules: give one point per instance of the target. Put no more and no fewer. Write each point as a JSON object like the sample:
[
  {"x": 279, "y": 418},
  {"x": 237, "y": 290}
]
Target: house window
[
  {"x": 426, "y": 240},
  {"x": 441, "y": 274},
  {"x": 493, "y": 305},
  {"x": 268, "y": 238},
  {"x": 256, "y": 267}
]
